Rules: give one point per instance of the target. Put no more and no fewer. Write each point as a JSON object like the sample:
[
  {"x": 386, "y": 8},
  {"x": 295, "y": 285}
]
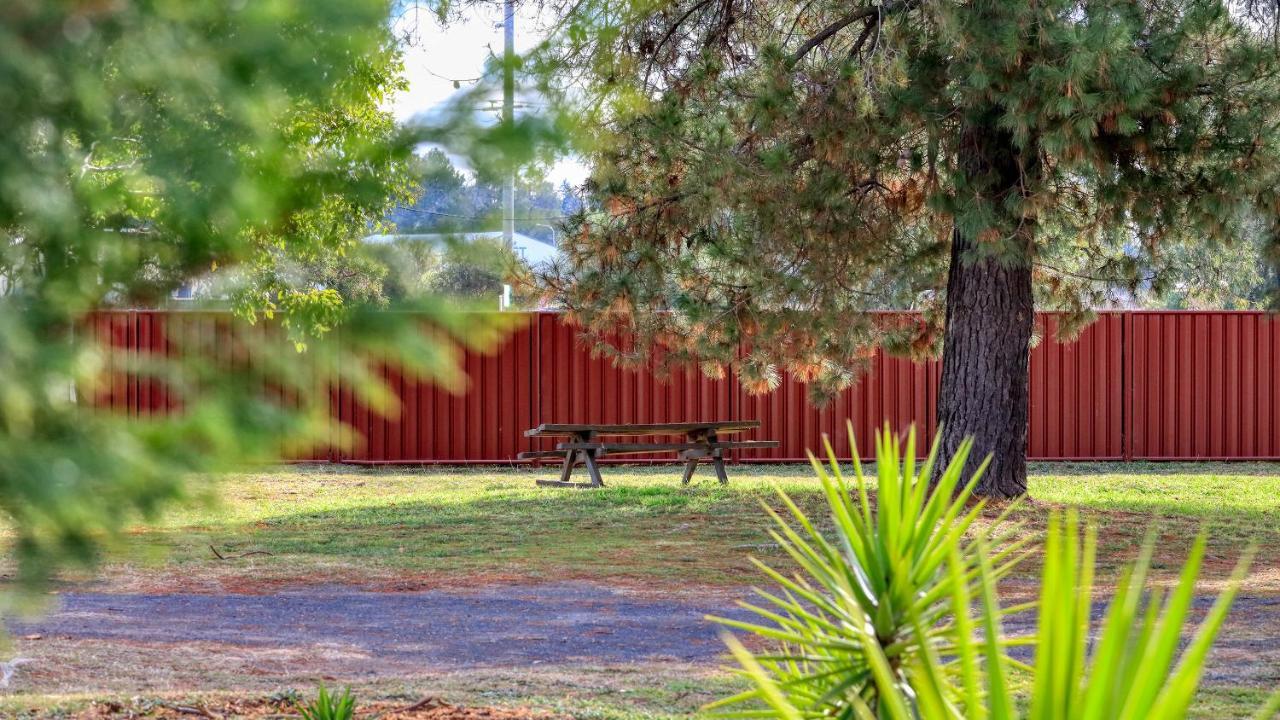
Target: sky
[{"x": 437, "y": 55}]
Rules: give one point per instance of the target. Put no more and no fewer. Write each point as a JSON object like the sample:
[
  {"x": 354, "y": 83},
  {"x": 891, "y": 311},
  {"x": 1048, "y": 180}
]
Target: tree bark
[{"x": 989, "y": 319}]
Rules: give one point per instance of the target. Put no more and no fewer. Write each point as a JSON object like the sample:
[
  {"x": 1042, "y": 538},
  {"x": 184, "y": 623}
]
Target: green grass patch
[{"x": 361, "y": 524}]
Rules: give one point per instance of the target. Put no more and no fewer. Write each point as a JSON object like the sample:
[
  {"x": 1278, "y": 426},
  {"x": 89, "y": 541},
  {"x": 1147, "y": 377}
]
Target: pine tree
[{"x": 765, "y": 173}]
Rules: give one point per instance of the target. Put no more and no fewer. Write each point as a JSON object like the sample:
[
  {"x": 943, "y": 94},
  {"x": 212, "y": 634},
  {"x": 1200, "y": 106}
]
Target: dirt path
[{"x": 120, "y": 639}]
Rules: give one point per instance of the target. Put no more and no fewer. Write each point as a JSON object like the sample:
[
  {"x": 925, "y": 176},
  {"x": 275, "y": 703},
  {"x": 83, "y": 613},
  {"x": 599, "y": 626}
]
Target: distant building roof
[{"x": 534, "y": 251}]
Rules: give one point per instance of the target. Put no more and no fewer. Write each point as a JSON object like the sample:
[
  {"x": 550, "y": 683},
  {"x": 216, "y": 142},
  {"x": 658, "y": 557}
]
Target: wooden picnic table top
[{"x": 560, "y": 429}]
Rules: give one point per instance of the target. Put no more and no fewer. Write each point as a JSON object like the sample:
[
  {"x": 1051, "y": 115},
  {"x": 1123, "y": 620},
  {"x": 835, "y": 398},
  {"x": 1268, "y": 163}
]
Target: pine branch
[
  {"x": 830, "y": 30},
  {"x": 844, "y": 22},
  {"x": 653, "y": 56}
]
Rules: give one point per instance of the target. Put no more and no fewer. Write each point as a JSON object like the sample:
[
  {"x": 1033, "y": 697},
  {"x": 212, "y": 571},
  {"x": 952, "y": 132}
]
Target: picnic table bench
[{"x": 584, "y": 446}]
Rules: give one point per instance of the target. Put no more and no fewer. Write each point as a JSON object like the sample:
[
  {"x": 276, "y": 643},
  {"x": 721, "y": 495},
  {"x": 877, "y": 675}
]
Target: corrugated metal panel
[
  {"x": 1204, "y": 385},
  {"x": 574, "y": 387},
  {"x": 485, "y": 422},
  {"x": 894, "y": 389},
  {"x": 128, "y": 338},
  {"x": 1077, "y": 392},
  {"x": 1149, "y": 385}
]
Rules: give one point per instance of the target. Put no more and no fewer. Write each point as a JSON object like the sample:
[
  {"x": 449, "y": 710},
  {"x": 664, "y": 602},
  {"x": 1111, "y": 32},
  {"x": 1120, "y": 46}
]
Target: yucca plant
[
  {"x": 330, "y": 707},
  {"x": 1134, "y": 671},
  {"x": 874, "y": 594}
]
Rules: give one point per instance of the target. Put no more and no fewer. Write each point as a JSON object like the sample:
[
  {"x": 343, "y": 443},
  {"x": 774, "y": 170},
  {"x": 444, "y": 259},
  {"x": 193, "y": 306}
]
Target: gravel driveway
[
  {"x": 490, "y": 627},
  {"x": 381, "y": 634}
]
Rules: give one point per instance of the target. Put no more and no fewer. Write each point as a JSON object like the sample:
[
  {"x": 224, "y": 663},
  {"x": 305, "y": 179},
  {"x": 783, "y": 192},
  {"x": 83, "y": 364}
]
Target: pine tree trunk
[{"x": 989, "y": 318}]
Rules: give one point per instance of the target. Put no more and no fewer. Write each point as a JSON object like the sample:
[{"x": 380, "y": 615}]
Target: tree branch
[
  {"x": 830, "y": 30},
  {"x": 844, "y": 22},
  {"x": 667, "y": 36}
]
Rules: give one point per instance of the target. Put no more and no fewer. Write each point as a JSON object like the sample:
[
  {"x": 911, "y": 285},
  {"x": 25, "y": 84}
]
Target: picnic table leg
[
  {"x": 570, "y": 459},
  {"x": 592, "y": 468},
  {"x": 589, "y": 459},
  {"x": 717, "y": 459},
  {"x": 690, "y": 465},
  {"x": 691, "y": 459}
]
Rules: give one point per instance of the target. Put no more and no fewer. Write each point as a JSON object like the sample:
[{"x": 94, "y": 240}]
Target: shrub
[
  {"x": 872, "y": 599},
  {"x": 947, "y": 658}
]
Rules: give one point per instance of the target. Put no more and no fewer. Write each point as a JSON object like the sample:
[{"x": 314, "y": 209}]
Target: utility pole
[{"x": 508, "y": 117}]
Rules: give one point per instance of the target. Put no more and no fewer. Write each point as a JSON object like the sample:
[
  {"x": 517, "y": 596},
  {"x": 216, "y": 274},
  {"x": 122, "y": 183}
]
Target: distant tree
[
  {"x": 358, "y": 275},
  {"x": 445, "y": 199},
  {"x": 409, "y": 268},
  {"x": 474, "y": 270},
  {"x": 766, "y": 172},
  {"x": 570, "y": 203},
  {"x": 448, "y": 201}
]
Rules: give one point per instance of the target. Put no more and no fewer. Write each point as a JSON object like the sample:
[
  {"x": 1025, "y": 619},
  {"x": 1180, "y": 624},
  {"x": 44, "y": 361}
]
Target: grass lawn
[
  {"x": 436, "y": 526},
  {"x": 407, "y": 529}
]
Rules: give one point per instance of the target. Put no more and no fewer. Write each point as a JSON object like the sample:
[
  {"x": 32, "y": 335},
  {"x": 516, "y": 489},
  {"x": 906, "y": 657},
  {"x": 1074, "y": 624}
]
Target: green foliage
[
  {"x": 765, "y": 174},
  {"x": 1185, "y": 274},
  {"x": 1134, "y": 665},
  {"x": 361, "y": 275},
  {"x": 150, "y": 142},
  {"x": 1130, "y": 665},
  {"x": 475, "y": 269},
  {"x": 410, "y": 268},
  {"x": 873, "y": 598},
  {"x": 447, "y": 203},
  {"x": 1234, "y": 276},
  {"x": 329, "y": 707}
]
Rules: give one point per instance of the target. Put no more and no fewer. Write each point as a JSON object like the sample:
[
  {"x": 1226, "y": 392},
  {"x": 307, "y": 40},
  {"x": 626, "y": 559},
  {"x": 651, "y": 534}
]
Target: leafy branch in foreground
[
  {"x": 955, "y": 664},
  {"x": 153, "y": 143},
  {"x": 876, "y": 596}
]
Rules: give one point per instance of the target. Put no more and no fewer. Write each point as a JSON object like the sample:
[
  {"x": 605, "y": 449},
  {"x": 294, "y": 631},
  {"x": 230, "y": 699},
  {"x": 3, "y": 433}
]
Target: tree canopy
[{"x": 768, "y": 172}]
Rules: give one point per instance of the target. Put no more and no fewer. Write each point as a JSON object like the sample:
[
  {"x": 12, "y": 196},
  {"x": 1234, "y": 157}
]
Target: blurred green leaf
[{"x": 151, "y": 143}]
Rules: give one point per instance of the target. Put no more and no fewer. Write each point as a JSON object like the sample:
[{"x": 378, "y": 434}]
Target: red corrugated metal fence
[
  {"x": 1203, "y": 385},
  {"x": 1077, "y": 392},
  {"x": 1133, "y": 385}
]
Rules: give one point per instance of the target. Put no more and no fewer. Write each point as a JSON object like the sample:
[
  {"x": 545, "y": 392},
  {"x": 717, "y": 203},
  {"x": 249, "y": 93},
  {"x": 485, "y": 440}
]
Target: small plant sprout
[{"x": 329, "y": 707}]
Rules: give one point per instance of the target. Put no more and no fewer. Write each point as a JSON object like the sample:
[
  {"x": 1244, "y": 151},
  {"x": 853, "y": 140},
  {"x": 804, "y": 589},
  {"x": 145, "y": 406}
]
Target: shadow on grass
[
  {"x": 644, "y": 525},
  {"x": 1214, "y": 493},
  {"x": 702, "y": 533}
]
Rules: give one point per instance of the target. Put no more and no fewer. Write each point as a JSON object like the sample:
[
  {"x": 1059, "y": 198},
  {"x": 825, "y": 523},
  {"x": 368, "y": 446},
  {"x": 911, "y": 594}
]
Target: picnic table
[{"x": 588, "y": 443}]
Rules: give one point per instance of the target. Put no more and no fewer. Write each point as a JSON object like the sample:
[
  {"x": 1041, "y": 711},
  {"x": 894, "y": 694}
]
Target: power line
[{"x": 457, "y": 82}]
